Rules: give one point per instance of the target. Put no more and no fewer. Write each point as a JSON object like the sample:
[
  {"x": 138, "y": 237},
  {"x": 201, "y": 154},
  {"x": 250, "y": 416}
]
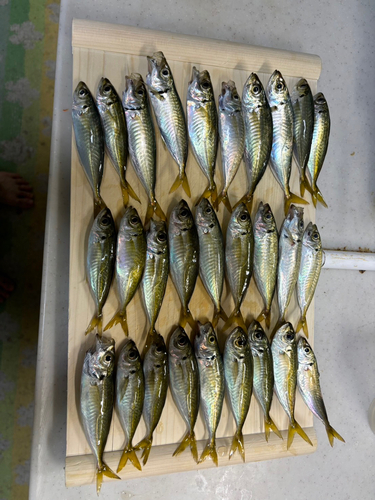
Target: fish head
[
  {"x": 306, "y": 356},
  {"x": 229, "y": 100},
  {"x": 277, "y": 90},
  {"x": 301, "y": 89},
  {"x": 100, "y": 358},
  {"x": 181, "y": 218},
  {"x": 104, "y": 225},
  {"x": 158, "y": 351},
  {"x": 157, "y": 240},
  {"x": 240, "y": 221},
  {"x": 253, "y": 95},
  {"x": 205, "y": 217},
  {"x": 83, "y": 101},
  {"x": 237, "y": 343},
  {"x": 106, "y": 94},
  {"x": 285, "y": 338},
  {"x": 200, "y": 87},
  {"x": 320, "y": 103},
  {"x": 205, "y": 342},
  {"x": 159, "y": 75},
  {"x": 311, "y": 237},
  {"x": 179, "y": 345},
  {"x": 134, "y": 95},
  {"x": 293, "y": 225},
  {"x": 257, "y": 338},
  {"x": 131, "y": 222},
  {"x": 264, "y": 220},
  {"x": 129, "y": 358}
]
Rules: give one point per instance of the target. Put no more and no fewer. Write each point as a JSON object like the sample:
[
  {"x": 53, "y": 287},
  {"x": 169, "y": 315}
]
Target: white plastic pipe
[{"x": 360, "y": 261}]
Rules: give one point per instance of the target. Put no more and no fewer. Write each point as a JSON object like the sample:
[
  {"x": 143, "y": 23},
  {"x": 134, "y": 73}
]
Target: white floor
[{"x": 342, "y": 33}]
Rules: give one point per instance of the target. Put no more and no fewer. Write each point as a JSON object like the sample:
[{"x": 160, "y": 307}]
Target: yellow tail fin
[
  {"x": 269, "y": 426},
  {"x": 104, "y": 470},
  {"x": 248, "y": 200},
  {"x": 98, "y": 205},
  {"x": 189, "y": 440},
  {"x": 237, "y": 444},
  {"x": 96, "y": 322},
  {"x": 144, "y": 445},
  {"x": 154, "y": 207},
  {"x": 210, "y": 192},
  {"x": 294, "y": 428},
  {"x": 223, "y": 198},
  {"x": 235, "y": 317},
  {"x": 219, "y": 313},
  {"x": 210, "y": 451},
  {"x": 293, "y": 198},
  {"x": 302, "y": 324},
  {"x": 119, "y": 317},
  {"x": 279, "y": 323},
  {"x": 127, "y": 191},
  {"x": 186, "y": 317},
  {"x": 331, "y": 433},
  {"x": 181, "y": 181},
  {"x": 129, "y": 454},
  {"x": 304, "y": 185},
  {"x": 317, "y": 196},
  {"x": 266, "y": 316}
]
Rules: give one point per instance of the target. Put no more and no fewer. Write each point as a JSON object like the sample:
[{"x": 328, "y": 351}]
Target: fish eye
[
  {"x": 140, "y": 92},
  {"x": 290, "y": 336},
  {"x": 133, "y": 354},
  {"x": 108, "y": 358},
  {"x": 165, "y": 72},
  {"x": 301, "y": 224},
  {"x": 184, "y": 212},
  {"x": 205, "y": 85},
  {"x": 160, "y": 349},
  {"x": 211, "y": 339},
  {"x": 162, "y": 236},
  {"x": 268, "y": 216},
  {"x": 107, "y": 88},
  {"x": 258, "y": 335},
  {"x": 303, "y": 86},
  {"x": 240, "y": 342},
  {"x": 134, "y": 220},
  {"x": 105, "y": 220},
  {"x": 208, "y": 210},
  {"x": 307, "y": 350},
  {"x": 82, "y": 93},
  {"x": 235, "y": 97},
  {"x": 182, "y": 341},
  {"x": 256, "y": 89},
  {"x": 279, "y": 86},
  {"x": 315, "y": 236},
  {"x": 321, "y": 100},
  {"x": 244, "y": 217}
]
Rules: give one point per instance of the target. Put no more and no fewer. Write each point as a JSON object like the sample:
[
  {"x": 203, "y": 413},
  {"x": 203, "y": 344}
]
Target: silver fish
[
  {"x": 202, "y": 126},
  {"x": 169, "y": 114},
  {"x": 309, "y": 386},
  {"x": 96, "y": 401},
  {"x": 184, "y": 385},
  {"x": 284, "y": 355},
  {"x": 130, "y": 392},
  {"x": 232, "y": 137},
  {"x": 238, "y": 368},
  {"x": 100, "y": 263},
  {"x": 309, "y": 272},
  {"x": 141, "y": 139},
  {"x": 282, "y": 143},
  {"x": 211, "y": 378},
  {"x": 89, "y": 138}
]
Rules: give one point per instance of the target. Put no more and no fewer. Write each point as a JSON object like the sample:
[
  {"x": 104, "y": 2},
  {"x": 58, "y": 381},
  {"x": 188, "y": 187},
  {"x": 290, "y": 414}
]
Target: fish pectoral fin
[
  {"x": 294, "y": 428},
  {"x": 145, "y": 446},
  {"x": 210, "y": 451},
  {"x": 237, "y": 318},
  {"x": 129, "y": 454},
  {"x": 155, "y": 93},
  {"x": 331, "y": 433},
  {"x": 302, "y": 324},
  {"x": 96, "y": 322},
  {"x": 237, "y": 444},
  {"x": 269, "y": 426},
  {"x": 181, "y": 181},
  {"x": 119, "y": 317},
  {"x": 293, "y": 198},
  {"x": 127, "y": 191},
  {"x": 104, "y": 470},
  {"x": 188, "y": 440}
]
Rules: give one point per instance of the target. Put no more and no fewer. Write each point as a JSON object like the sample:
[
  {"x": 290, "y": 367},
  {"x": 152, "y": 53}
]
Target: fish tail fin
[
  {"x": 149, "y": 339},
  {"x": 209, "y": 192},
  {"x": 145, "y": 446},
  {"x": 248, "y": 200},
  {"x": 210, "y": 451},
  {"x": 305, "y": 185},
  {"x": 186, "y": 317},
  {"x": 266, "y": 316},
  {"x": 293, "y": 198},
  {"x": 119, "y": 317},
  {"x": 99, "y": 204},
  {"x": 154, "y": 207},
  {"x": 129, "y": 454},
  {"x": 181, "y": 180},
  {"x": 127, "y": 191},
  {"x": 188, "y": 440},
  {"x": 104, "y": 470},
  {"x": 332, "y": 434},
  {"x": 223, "y": 198},
  {"x": 279, "y": 323},
  {"x": 294, "y": 428},
  {"x": 96, "y": 322},
  {"x": 269, "y": 425},
  {"x": 237, "y": 444},
  {"x": 302, "y": 324},
  {"x": 218, "y": 313},
  {"x": 317, "y": 196},
  {"x": 235, "y": 317}
]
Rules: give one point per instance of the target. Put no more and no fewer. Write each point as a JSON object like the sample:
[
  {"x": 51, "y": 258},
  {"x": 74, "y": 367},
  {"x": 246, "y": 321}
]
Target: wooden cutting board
[{"x": 114, "y": 51}]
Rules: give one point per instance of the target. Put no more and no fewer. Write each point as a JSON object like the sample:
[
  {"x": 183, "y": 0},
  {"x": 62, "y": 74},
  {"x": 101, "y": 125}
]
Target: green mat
[{"x": 28, "y": 40}]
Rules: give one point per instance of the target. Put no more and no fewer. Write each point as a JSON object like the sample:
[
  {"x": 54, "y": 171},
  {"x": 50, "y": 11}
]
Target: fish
[
  {"x": 265, "y": 258},
  {"x": 211, "y": 381},
  {"x": 184, "y": 257},
  {"x": 284, "y": 355},
  {"x": 319, "y": 145},
  {"x": 290, "y": 249},
  {"x": 232, "y": 137},
  {"x": 130, "y": 263},
  {"x": 303, "y": 125},
  {"x": 100, "y": 262},
  {"x": 202, "y": 123},
  {"x": 156, "y": 271},
  {"x": 130, "y": 392},
  {"x": 211, "y": 255},
  {"x": 141, "y": 139},
  {"x": 239, "y": 256},
  {"x": 282, "y": 141},
  {"x": 169, "y": 115},
  {"x": 184, "y": 385},
  {"x": 155, "y": 370},
  {"x": 308, "y": 380},
  {"x": 115, "y": 133},
  {"x": 238, "y": 370},
  {"x": 309, "y": 272},
  {"x": 89, "y": 139},
  {"x": 258, "y": 134},
  {"x": 263, "y": 379},
  {"x": 96, "y": 401}
]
